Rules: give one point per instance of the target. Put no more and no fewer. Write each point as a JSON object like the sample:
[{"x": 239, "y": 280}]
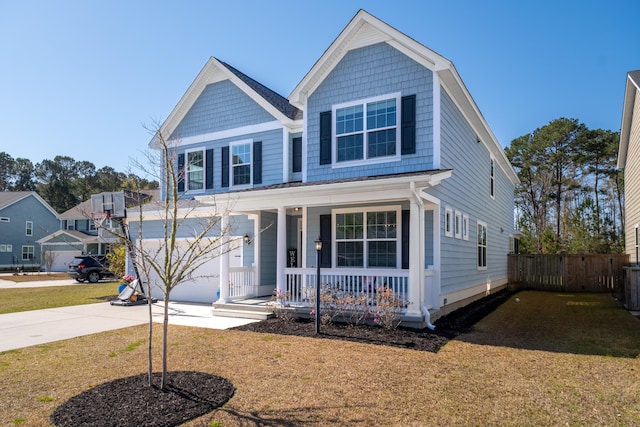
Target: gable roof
[
  {"x": 365, "y": 30},
  {"x": 73, "y": 235},
  {"x": 8, "y": 198},
  {"x": 215, "y": 71},
  {"x": 632, "y": 87}
]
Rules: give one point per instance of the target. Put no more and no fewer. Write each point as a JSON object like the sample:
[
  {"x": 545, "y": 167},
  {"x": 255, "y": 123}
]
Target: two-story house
[
  {"x": 24, "y": 218},
  {"x": 380, "y": 152}
]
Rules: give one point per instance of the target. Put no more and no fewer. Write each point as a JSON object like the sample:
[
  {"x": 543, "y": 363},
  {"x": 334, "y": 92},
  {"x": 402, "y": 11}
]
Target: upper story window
[
  {"x": 5, "y": 219},
  {"x": 367, "y": 130},
  {"x": 241, "y": 163},
  {"x": 448, "y": 221},
  {"x": 195, "y": 170},
  {"x": 28, "y": 230}
]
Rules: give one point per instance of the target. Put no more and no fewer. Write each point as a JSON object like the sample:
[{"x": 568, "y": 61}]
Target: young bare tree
[{"x": 190, "y": 237}]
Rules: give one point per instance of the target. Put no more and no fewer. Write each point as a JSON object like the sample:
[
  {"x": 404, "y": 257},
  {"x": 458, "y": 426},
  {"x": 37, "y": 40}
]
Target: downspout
[{"x": 425, "y": 311}]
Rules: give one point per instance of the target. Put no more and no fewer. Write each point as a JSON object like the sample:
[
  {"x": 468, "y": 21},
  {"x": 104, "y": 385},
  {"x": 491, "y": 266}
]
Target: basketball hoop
[{"x": 99, "y": 218}]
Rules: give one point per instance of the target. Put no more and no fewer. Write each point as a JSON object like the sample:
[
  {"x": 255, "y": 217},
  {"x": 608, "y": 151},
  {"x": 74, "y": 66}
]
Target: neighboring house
[
  {"x": 380, "y": 151},
  {"x": 24, "y": 218},
  {"x": 629, "y": 161},
  {"x": 78, "y": 234}
]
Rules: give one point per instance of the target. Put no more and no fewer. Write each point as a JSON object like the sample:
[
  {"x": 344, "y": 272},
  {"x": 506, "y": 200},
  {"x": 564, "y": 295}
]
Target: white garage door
[
  {"x": 205, "y": 283},
  {"x": 62, "y": 259}
]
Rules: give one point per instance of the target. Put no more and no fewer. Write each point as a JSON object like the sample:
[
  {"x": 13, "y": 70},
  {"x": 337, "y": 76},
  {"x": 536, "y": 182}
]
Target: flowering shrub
[
  {"x": 280, "y": 306},
  {"x": 128, "y": 279},
  {"x": 381, "y": 306},
  {"x": 387, "y": 308}
]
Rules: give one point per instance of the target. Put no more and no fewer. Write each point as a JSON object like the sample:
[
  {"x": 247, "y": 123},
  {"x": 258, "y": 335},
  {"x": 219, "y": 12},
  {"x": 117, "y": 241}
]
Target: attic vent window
[{"x": 4, "y": 219}]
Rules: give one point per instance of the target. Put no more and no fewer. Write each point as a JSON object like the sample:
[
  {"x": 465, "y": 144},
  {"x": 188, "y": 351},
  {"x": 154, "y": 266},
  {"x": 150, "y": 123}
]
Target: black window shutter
[
  {"x": 181, "y": 173},
  {"x": 296, "y": 155},
  {"x": 408, "y": 124},
  {"x": 257, "y": 162},
  {"x": 325, "y": 236},
  {"x": 225, "y": 167},
  {"x": 325, "y": 138},
  {"x": 209, "y": 168},
  {"x": 405, "y": 239}
]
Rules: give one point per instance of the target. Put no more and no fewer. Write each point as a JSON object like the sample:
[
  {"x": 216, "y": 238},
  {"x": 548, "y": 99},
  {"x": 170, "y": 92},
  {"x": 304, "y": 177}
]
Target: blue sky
[{"x": 79, "y": 78}]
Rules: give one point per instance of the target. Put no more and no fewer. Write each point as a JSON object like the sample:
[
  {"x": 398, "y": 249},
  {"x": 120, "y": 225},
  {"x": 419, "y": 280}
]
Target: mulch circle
[{"x": 131, "y": 402}]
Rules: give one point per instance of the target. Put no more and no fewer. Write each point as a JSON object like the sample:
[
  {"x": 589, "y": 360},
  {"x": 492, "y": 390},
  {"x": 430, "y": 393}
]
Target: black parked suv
[{"x": 89, "y": 267}]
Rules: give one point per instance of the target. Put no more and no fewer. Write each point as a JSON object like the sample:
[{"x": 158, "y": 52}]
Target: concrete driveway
[{"x": 29, "y": 328}]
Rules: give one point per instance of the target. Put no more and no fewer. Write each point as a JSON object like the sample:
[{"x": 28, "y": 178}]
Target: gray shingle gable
[{"x": 273, "y": 98}]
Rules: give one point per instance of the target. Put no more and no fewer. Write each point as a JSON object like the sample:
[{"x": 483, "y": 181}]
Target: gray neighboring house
[
  {"x": 25, "y": 218},
  {"x": 78, "y": 234},
  {"x": 629, "y": 161}
]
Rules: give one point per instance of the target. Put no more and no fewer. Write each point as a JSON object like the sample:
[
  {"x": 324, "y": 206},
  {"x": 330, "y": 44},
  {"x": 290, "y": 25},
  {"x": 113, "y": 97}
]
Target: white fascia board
[
  {"x": 378, "y": 190},
  {"x": 229, "y": 133}
]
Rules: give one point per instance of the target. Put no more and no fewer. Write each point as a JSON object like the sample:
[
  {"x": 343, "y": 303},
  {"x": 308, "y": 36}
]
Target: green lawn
[{"x": 25, "y": 299}]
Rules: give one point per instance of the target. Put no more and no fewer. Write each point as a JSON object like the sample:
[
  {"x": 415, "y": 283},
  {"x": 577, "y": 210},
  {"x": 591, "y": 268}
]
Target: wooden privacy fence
[{"x": 571, "y": 273}]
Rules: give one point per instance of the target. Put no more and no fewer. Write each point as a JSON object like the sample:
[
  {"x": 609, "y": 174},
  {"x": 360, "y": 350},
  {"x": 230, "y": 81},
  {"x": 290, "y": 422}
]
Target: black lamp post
[{"x": 318, "y": 250}]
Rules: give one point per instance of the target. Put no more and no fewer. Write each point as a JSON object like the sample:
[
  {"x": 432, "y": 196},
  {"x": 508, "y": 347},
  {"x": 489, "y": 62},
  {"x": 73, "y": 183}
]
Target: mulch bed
[{"x": 188, "y": 395}]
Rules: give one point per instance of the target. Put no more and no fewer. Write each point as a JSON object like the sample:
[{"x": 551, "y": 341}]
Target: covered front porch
[{"x": 376, "y": 234}]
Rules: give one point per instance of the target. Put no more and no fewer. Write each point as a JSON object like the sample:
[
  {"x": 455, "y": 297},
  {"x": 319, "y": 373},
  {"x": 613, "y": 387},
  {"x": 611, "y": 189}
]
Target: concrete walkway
[{"x": 29, "y": 328}]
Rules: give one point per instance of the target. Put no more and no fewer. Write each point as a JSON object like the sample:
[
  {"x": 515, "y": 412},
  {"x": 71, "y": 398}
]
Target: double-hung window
[
  {"x": 195, "y": 170},
  {"x": 367, "y": 130},
  {"x": 28, "y": 229},
  {"x": 482, "y": 245},
  {"x": 367, "y": 238},
  {"x": 241, "y": 163}
]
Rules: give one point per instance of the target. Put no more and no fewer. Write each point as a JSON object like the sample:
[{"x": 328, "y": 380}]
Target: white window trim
[
  {"x": 3, "y": 248},
  {"x": 465, "y": 227},
  {"x": 364, "y": 211},
  {"x": 448, "y": 221},
  {"x": 636, "y": 244},
  {"x": 33, "y": 250},
  {"x": 28, "y": 228},
  {"x": 9, "y": 247},
  {"x": 235, "y": 144},
  {"x": 486, "y": 246},
  {"x": 186, "y": 169},
  {"x": 365, "y": 160},
  {"x": 457, "y": 225}
]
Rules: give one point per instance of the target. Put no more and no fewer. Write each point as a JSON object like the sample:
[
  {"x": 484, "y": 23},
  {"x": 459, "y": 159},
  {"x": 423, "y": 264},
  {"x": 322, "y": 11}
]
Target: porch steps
[{"x": 255, "y": 308}]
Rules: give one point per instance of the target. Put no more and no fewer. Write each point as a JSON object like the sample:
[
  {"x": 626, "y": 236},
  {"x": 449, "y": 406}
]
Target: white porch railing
[
  {"x": 301, "y": 282},
  {"x": 242, "y": 282}
]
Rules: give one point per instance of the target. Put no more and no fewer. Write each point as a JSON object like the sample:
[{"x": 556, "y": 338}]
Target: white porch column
[
  {"x": 281, "y": 248},
  {"x": 416, "y": 261},
  {"x": 224, "y": 258}
]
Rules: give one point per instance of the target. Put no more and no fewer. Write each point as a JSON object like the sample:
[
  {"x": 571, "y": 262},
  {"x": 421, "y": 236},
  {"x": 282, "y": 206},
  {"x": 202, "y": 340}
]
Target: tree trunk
[{"x": 165, "y": 328}]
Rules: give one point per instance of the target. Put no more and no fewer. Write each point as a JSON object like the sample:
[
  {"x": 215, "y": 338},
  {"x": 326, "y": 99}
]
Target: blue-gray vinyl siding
[
  {"x": 13, "y": 232},
  {"x": 221, "y": 106},
  {"x": 272, "y": 156},
  {"x": 363, "y": 73},
  {"x": 239, "y": 226},
  {"x": 468, "y": 192}
]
